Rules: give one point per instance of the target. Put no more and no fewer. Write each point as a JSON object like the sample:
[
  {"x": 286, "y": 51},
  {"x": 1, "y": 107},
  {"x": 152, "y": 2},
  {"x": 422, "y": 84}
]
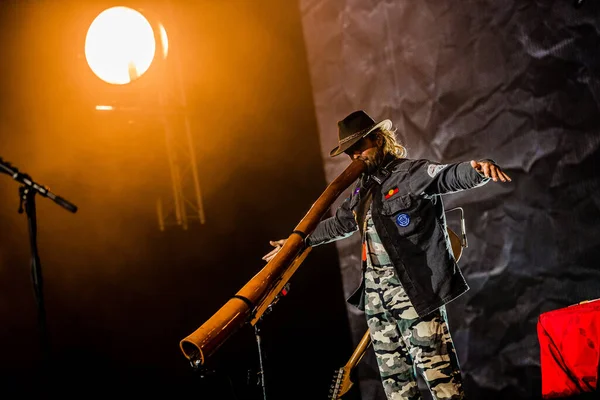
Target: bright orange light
[
  {"x": 104, "y": 108},
  {"x": 120, "y": 45},
  {"x": 164, "y": 40}
]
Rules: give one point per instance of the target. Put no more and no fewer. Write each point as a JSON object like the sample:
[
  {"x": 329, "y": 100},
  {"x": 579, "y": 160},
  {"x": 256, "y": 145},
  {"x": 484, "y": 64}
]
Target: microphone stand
[
  {"x": 27, "y": 191},
  {"x": 261, "y": 371},
  {"x": 261, "y": 353}
]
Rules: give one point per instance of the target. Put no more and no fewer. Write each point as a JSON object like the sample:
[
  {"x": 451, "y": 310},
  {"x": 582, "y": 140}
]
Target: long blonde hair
[{"x": 390, "y": 143}]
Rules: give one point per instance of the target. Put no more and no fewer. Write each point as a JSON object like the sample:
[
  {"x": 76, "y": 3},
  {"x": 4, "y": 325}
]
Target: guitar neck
[{"x": 359, "y": 352}]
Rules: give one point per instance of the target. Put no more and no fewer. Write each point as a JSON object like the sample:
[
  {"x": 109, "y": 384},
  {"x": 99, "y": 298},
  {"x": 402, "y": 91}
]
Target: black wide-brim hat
[{"x": 354, "y": 127}]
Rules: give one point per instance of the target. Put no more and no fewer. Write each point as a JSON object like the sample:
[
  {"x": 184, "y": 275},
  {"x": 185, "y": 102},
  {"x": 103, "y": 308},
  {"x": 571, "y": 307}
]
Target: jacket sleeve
[
  {"x": 427, "y": 177},
  {"x": 340, "y": 226}
]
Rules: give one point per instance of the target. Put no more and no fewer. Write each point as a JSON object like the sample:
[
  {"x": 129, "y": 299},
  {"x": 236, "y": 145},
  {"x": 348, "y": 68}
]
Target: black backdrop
[{"x": 515, "y": 81}]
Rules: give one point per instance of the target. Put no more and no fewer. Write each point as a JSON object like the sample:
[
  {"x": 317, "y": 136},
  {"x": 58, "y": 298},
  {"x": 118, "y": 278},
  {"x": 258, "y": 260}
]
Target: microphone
[{"x": 43, "y": 190}]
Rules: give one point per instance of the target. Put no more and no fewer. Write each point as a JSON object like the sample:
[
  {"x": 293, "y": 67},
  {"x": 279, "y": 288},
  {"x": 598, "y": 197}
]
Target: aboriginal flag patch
[{"x": 391, "y": 192}]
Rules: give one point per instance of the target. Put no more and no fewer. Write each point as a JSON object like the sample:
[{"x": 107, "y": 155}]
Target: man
[{"x": 409, "y": 271}]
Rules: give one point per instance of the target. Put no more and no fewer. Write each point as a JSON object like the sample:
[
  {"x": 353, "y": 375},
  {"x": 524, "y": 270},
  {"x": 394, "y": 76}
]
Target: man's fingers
[
  {"x": 501, "y": 175},
  {"x": 272, "y": 252},
  {"x": 486, "y": 169},
  {"x": 494, "y": 173},
  {"x": 277, "y": 244},
  {"x": 506, "y": 177},
  {"x": 490, "y": 170},
  {"x": 271, "y": 255},
  {"x": 497, "y": 172}
]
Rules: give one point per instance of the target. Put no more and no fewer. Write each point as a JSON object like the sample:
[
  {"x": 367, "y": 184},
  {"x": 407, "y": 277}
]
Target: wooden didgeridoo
[{"x": 242, "y": 307}]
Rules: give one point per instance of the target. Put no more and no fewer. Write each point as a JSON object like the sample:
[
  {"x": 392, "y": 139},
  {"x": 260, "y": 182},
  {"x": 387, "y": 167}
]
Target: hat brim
[{"x": 385, "y": 124}]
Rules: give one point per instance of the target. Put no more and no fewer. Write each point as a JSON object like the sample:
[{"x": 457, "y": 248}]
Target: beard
[{"x": 373, "y": 161}]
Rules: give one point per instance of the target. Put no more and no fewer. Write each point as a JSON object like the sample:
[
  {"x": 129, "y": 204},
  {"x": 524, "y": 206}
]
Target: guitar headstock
[
  {"x": 341, "y": 379},
  {"x": 341, "y": 384}
]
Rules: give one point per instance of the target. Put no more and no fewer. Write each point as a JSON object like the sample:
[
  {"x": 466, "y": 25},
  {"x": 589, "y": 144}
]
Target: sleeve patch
[{"x": 433, "y": 169}]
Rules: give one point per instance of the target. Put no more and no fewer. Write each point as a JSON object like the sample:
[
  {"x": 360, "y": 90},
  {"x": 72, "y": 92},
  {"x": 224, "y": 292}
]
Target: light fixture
[{"x": 120, "y": 45}]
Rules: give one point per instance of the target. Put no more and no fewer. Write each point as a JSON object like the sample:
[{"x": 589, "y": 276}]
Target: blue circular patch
[{"x": 403, "y": 220}]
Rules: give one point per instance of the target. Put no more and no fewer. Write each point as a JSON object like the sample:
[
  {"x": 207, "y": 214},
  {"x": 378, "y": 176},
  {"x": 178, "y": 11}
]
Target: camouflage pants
[{"x": 405, "y": 344}]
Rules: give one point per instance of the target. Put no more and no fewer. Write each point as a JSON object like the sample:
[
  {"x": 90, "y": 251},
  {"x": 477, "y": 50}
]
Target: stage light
[
  {"x": 120, "y": 45},
  {"x": 164, "y": 40},
  {"x": 104, "y": 108}
]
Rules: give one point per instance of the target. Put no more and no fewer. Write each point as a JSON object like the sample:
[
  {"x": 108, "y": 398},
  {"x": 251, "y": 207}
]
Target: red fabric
[{"x": 569, "y": 349}]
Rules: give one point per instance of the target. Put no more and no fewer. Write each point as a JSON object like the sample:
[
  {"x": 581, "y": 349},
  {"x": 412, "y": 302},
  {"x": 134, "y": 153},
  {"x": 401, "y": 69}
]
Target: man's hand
[
  {"x": 278, "y": 244},
  {"x": 490, "y": 170}
]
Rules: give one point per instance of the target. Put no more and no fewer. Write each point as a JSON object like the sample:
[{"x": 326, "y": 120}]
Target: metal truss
[{"x": 184, "y": 206}]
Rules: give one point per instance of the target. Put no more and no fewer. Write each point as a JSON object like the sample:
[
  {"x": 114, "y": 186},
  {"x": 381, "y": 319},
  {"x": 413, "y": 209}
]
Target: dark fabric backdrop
[{"x": 515, "y": 81}]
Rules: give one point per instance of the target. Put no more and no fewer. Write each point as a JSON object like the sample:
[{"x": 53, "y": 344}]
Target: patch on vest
[
  {"x": 390, "y": 193},
  {"x": 403, "y": 220},
  {"x": 433, "y": 169}
]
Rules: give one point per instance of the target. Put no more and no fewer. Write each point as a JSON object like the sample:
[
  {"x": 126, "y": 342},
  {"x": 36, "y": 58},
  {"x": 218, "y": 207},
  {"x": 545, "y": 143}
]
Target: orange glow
[
  {"x": 164, "y": 40},
  {"x": 104, "y": 108},
  {"x": 120, "y": 45}
]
